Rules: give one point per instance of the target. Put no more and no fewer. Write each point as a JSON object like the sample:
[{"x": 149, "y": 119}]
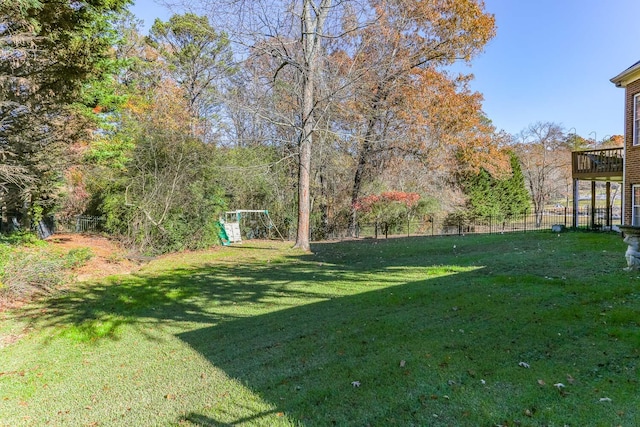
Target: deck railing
[{"x": 601, "y": 163}]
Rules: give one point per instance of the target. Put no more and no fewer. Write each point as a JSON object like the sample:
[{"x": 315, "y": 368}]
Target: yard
[{"x": 533, "y": 329}]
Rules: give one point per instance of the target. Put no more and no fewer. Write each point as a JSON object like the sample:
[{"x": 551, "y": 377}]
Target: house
[
  {"x": 629, "y": 79},
  {"x": 604, "y": 165}
]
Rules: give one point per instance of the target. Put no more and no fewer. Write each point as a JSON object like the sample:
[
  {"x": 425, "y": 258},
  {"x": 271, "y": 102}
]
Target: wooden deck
[{"x": 605, "y": 164}]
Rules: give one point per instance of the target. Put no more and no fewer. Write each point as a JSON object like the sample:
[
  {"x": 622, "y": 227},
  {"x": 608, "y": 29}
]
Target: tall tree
[
  {"x": 49, "y": 50},
  {"x": 404, "y": 100},
  {"x": 153, "y": 181},
  {"x": 292, "y": 34},
  {"x": 200, "y": 60},
  {"x": 312, "y": 20}
]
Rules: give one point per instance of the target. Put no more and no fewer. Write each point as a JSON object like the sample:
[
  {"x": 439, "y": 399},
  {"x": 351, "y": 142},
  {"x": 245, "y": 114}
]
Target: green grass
[{"x": 433, "y": 330}]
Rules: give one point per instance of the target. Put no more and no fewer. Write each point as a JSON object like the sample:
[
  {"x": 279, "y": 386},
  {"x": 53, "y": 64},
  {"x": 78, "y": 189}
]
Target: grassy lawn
[{"x": 534, "y": 329}]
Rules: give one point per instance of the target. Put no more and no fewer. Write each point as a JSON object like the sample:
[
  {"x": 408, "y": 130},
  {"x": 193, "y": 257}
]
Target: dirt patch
[{"x": 108, "y": 257}]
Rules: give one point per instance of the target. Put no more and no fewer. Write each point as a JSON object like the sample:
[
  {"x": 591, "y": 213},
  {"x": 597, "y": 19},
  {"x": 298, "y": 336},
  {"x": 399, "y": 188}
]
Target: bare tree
[
  {"x": 290, "y": 35},
  {"x": 544, "y": 157}
]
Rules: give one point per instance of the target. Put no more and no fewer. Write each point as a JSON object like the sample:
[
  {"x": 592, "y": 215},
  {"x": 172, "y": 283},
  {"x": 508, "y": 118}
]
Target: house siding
[{"x": 632, "y": 154}]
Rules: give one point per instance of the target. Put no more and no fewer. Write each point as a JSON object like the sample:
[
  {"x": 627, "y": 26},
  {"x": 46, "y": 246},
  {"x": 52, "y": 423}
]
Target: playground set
[{"x": 253, "y": 224}]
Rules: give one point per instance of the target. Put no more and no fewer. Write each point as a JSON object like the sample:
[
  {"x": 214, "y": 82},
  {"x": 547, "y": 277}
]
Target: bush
[
  {"x": 26, "y": 271},
  {"x": 77, "y": 257},
  {"x": 19, "y": 238}
]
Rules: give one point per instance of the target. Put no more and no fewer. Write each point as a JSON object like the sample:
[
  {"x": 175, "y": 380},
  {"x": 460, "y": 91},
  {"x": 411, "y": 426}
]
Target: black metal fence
[
  {"x": 435, "y": 225},
  {"x": 50, "y": 225},
  {"x": 442, "y": 225},
  {"x": 79, "y": 224}
]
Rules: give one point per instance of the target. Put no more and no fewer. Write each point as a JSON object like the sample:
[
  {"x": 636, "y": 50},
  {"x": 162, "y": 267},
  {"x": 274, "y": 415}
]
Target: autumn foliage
[
  {"x": 369, "y": 203},
  {"x": 387, "y": 209}
]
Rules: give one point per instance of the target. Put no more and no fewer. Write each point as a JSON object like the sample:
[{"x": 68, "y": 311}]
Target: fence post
[
  {"x": 565, "y": 217},
  {"x": 526, "y": 211}
]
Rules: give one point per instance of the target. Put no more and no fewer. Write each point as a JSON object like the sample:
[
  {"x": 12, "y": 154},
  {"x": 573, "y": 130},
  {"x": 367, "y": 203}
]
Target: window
[
  {"x": 635, "y": 213},
  {"x": 636, "y": 119}
]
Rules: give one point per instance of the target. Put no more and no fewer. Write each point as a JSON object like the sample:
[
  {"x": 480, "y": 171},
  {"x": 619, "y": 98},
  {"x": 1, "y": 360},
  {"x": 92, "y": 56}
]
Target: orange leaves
[
  {"x": 163, "y": 107},
  {"x": 404, "y": 100},
  {"x": 433, "y": 31},
  {"x": 366, "y": 204},
  {"x": 408, "y": 199}
]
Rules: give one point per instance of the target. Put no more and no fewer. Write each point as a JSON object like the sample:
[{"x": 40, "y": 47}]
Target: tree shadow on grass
[
  {"x": 400, "y": 353},
  {"x": 435, "y": 352},
  {"x": 441, "y": 350},
  {"x": 205, "y": 421},
  {"x": 207, "y": 293},
  {"x": 356, "y": 360}
]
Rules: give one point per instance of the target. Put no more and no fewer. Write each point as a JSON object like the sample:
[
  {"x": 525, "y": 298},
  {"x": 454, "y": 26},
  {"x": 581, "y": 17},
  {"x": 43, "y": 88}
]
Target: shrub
[
  {"x": 77, "y": 257},
  {"x": 26, "y": 271}
]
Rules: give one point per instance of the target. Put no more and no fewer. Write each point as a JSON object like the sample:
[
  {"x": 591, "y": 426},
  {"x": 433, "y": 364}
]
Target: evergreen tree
[
  {"x": 200, "y": 59},
  {"x": 49, "y": 50},
  {"x": 513, "y": 195},
  {"x": 497, "y": 198}
]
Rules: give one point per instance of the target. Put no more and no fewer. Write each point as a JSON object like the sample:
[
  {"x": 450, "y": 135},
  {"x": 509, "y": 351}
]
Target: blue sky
[{"x": 550, "y": 61}]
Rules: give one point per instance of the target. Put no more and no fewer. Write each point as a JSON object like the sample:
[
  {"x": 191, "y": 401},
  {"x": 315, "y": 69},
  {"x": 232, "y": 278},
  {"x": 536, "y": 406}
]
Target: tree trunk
[
  {"x": 26, "y": 214},
  {"x": 357, "y": 185},
  {"x": 304, "y": 200},
  {"x": 306, "y": 138},
  {"x": 362, "y": 163},
  {"x": 313, "y": 19}
]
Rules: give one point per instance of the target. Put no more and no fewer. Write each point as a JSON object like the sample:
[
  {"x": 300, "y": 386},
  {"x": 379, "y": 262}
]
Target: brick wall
[{"x": 632, "y": 155}]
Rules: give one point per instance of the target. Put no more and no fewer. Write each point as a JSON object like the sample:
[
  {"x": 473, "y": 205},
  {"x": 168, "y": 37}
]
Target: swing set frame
[{"x": 233, "y": 220}]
